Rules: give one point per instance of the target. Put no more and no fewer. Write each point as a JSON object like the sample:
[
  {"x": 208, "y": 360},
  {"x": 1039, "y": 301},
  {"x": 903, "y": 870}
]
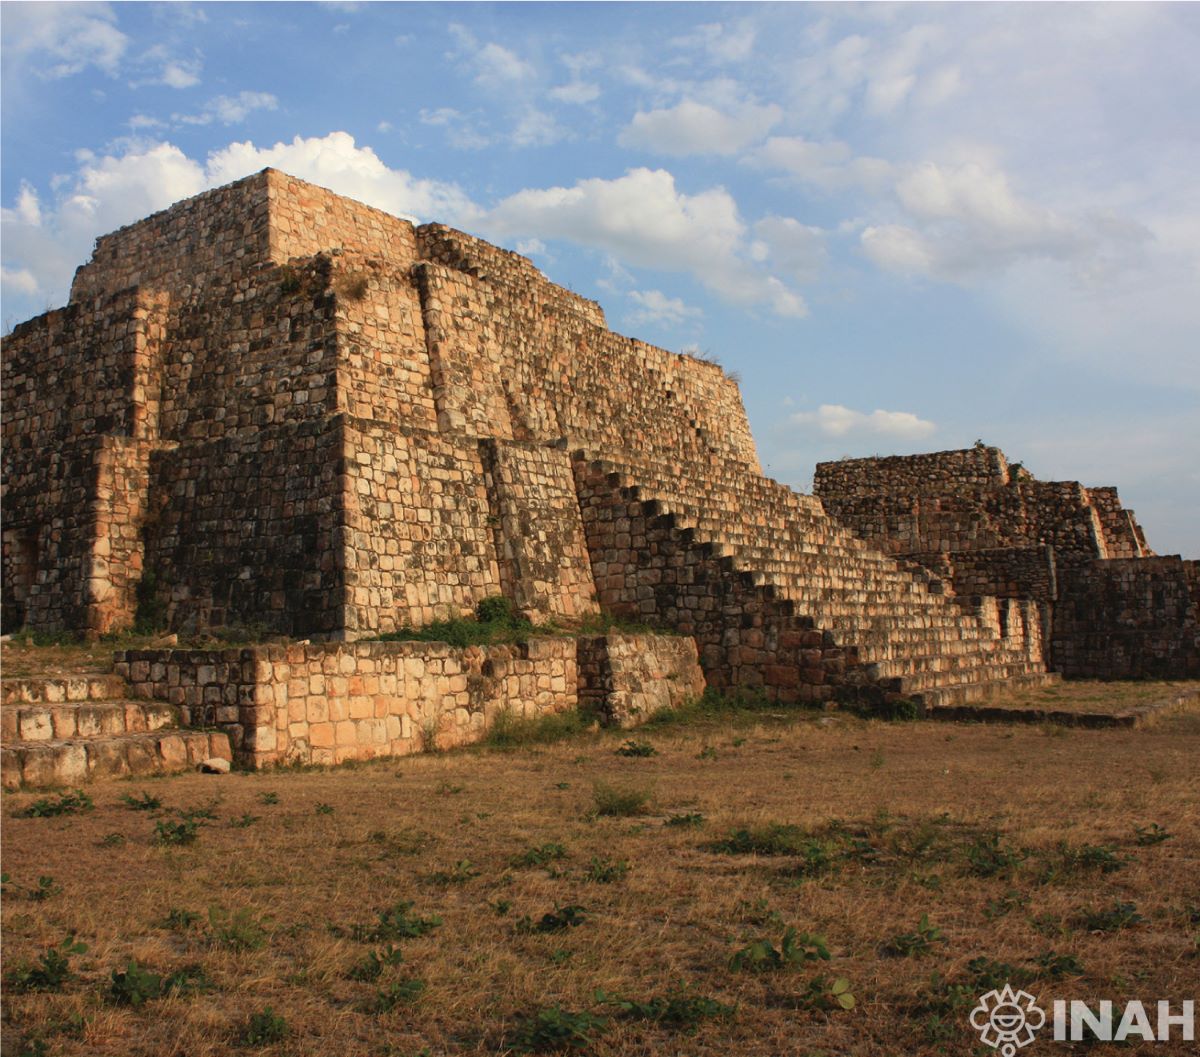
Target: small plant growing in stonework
[{"x": 636, "y": 749}]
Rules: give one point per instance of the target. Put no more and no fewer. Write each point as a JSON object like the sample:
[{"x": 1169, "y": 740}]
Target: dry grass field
[{"x": 540, "y": 897}]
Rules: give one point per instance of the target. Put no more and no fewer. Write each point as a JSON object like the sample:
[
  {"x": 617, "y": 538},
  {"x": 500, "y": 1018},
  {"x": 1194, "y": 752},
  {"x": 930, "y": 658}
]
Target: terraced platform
[{"x": 65, "y": 730}]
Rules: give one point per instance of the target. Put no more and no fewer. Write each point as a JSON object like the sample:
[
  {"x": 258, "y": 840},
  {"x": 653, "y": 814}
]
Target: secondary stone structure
[
  {"x": 275, "y": 408},
  {"x": 1111, "y": 607}
]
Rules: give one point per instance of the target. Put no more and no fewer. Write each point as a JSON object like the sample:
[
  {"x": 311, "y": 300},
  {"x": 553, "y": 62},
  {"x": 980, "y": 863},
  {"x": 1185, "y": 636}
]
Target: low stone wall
[
  {"x": 331, "y": 702},
  {"x": 625, "y": 679}
]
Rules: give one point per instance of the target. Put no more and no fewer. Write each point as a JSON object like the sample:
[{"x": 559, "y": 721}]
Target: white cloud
[
  {"x": 795, "y": 248},
  {"x": 834, "y": 420},
  {"x": 230, "y": 109},
  {"x": 47, "y": 241},
  {"x": 58, "y": 40},
  {"x": 22, "y": 280},
  {"x": 655, "y": 307},
  {"x": 141, "y": 121},
  {"x": 528, "y": 247},
  {"x": 722, "y": 43},
  {"x": 181, "y": 74},
  {"x": 830, "y": 165},
  {"x": 645, "y": 221},
  {"x": 575, "y": 92},
  {"x": 966, "y": 220},
  {"x": 536, "y": 128},
  {"x": 496, "y": 67},
  {"x": 459, "y": 131},
  {"x": 696, "y": 128}
]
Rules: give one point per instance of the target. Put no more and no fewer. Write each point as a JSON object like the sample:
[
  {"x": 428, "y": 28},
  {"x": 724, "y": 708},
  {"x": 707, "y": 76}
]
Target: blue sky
[{"x": 906, "y": 228}]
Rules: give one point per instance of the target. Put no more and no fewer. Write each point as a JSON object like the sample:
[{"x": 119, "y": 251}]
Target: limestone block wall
[
  {"x": 540, "y": 544},
  {"x": 76, "y": 383},
  {"x": 1123, "y": 536},
  {"x": 383, "y": 362},
  {"x": 1129, "y": 619},
  {"x": 625, "y": 679},
  {"x": 417, "y": 545},
  {"x": 304, "y": 220},
  {"x": 334, "y": 702},
  {"x": 466, "y": 358},
  {"x": 246, "y": 529},
  {"x": 1007, "y": 572},
  {"x": 217, "y": 233},
  {"x": 939, "y": 472},
  {"x": 249, "y": 353},
  {"x": 269, "y": 217}
]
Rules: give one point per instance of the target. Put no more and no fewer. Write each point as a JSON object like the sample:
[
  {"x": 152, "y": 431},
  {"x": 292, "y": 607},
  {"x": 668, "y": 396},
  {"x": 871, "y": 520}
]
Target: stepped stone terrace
[{"x": 271, "y": 406}]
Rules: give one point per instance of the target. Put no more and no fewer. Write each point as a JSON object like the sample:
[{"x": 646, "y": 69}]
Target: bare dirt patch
[{"x": 477, "y": 902}]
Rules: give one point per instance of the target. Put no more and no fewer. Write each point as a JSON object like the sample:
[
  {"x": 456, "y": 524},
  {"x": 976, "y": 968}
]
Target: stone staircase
[
  {"x": 70, "y": 729},
  {"x": 903, "y": 633}
]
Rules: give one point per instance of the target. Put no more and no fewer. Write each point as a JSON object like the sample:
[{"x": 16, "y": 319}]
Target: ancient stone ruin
[{"x": 275, "y": 408}]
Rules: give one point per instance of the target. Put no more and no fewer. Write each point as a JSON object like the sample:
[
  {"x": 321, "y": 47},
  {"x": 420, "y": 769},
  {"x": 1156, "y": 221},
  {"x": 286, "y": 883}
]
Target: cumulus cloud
[
  {"x": 43, "y": 242},
  {"x": 645, "y": 221},
  {"x": 966, "y": 219},
  {"x": 830, "y": 165},
  {"x": 58, "y": 40},
  {"x": 696, "y": 128},
  {"x": 655, "y": 307},
  {"x": 834, "y": 420}
]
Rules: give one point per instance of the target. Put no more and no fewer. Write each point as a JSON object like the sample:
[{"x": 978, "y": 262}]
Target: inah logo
[{"x": 1006, "y": 1020}]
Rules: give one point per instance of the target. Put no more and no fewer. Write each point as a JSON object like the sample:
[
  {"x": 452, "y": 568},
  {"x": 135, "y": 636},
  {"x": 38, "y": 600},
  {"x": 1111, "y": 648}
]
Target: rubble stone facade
[{"x": 273, "y": 407}]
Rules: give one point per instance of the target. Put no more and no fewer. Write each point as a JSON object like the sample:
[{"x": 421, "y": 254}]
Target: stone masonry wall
[
  {"x": 934, "y": 473},
  {"x": 625, "y": 679},
  {"x": 245, "y": 530},
  {"x": 540, "y": 545},
  {"x": 1133, "y": 618},
  {"x": 334, "y": 702},
  {"x": 417, "y": 544}
]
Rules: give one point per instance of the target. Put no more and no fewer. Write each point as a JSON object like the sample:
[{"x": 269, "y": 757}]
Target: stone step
[
  {"x": 84, "y": 719},
  {"x": 77, "y": 760},
  {"x": 56, "y": 689},
  {"x": 948, "y": 697}
]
